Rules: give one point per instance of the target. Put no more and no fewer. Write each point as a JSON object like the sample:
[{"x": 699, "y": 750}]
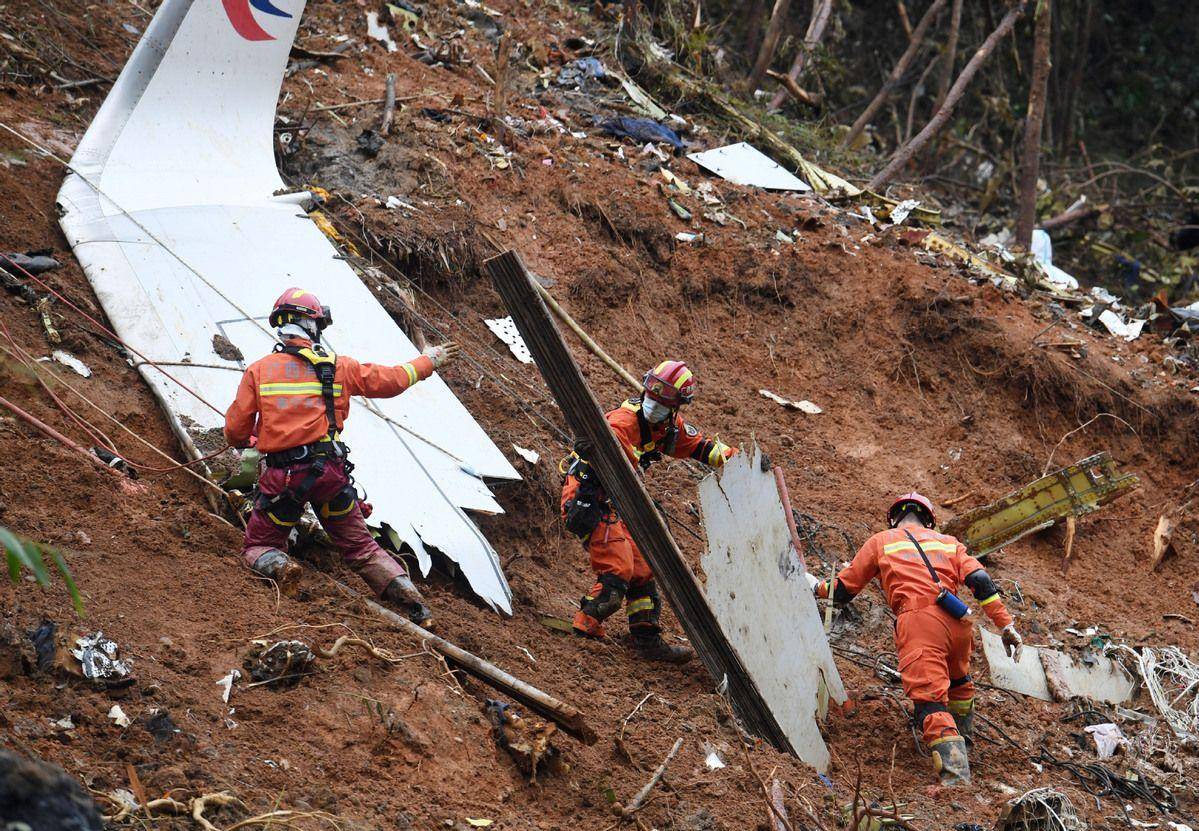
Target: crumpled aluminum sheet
[{"x": 98, "y": 656}]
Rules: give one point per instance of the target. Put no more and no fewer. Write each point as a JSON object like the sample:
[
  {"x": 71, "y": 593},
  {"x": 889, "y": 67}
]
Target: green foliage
[{"x": 20, "y": 553}]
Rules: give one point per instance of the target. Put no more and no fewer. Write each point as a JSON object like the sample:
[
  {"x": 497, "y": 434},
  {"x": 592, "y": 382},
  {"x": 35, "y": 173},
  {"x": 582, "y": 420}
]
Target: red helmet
[
  {"x": 670, "y": 383},
  {"x": 295, "y": 303},
  {"x": 913, "y": 503}
]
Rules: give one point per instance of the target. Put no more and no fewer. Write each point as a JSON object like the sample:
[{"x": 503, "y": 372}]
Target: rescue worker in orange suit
[
  {"x": 921, "y": 572},
  {"x": 292, "y": 405},
  {"x": 648, "y": 428}
]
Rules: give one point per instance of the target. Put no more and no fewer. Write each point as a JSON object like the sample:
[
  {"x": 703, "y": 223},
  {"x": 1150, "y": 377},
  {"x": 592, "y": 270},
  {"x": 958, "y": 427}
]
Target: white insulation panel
[
  {"x": 758, "y": 590},
  {"x": 170, "y": 210}
]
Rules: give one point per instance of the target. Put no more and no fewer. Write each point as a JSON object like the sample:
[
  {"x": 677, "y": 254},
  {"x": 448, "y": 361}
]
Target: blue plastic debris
[{"x": 642, "y": 129}]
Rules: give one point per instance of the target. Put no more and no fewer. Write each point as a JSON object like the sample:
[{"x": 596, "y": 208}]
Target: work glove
[
  {"x": 1013, "y": 644},
  {"x": 442, "y": 354}
]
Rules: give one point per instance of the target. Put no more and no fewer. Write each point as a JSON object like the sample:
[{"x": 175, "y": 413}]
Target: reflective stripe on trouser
[
  {"x": 644, "y": 608},
  {"x": 933, "y": 649},
  {"x": 338, "y": 511}
]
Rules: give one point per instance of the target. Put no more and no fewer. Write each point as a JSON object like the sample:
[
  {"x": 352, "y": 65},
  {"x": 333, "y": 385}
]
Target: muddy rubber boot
[
  {"x": 277, "y": 566},
  {"x": 656, "y": 649},
  {"x": 965, "y": 723},
  {"x": 951, "y": 762},
  {"x": 402, "y": 594}
]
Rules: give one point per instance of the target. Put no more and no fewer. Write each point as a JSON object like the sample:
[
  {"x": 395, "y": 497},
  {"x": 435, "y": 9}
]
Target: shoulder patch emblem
[{"x": 689, "y": 430}]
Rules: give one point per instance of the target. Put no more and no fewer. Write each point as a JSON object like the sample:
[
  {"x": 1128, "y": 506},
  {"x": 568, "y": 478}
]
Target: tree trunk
[
  {"x": 1080, "y": 54},
  {"x": 951, "y": 54},
  {"x": 904, "y": 154},
  {"x": 821, "y": 12},
  {"x": 901, "y": 67},
  {"x": 1030, "y": 163},
  {"x": 774, "y": 32},
  {"x": 753, "y": 26}
]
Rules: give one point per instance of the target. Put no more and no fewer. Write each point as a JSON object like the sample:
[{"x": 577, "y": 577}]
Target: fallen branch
[
  {"x": 816, "y": 26},
  {"x": 639, "y": 800},
  {"x": 793, "y": 89},
  {"x": 389, "y": 105}
]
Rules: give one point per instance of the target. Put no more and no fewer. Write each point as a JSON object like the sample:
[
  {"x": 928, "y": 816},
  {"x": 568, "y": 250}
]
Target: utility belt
[{"x": 325, "y": 448}]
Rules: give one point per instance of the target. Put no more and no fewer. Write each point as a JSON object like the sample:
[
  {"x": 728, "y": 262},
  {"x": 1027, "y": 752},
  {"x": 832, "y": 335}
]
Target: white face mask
[{"x": 655, "y": 411}]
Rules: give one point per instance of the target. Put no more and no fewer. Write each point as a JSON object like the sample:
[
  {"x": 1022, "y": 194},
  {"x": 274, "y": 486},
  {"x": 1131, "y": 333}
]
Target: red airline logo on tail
[{"x": 243, "y": 20}]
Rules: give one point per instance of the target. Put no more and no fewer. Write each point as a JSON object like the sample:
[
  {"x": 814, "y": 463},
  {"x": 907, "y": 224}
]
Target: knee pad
[
  {"x": 340, "y": 505},
  {"x": 605, "y": 596},
  {"x": 282, "y": 510}
]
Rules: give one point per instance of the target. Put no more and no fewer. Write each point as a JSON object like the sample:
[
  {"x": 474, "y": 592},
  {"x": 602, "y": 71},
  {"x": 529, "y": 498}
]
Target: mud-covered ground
[{"x": 926, "y": 379}]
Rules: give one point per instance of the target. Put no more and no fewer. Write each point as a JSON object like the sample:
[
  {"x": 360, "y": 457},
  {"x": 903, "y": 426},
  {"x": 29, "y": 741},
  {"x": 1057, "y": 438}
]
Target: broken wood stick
[
  {"x": 779, "y": 818},
  {"x": 949, "y": 503},
  {"x": 638, "y": 801},
  {"x": 561, "y": 713},
  {"x": 389, "y": 105},
  {"x": 793, "y": 89},
  {"x": 583, "y": 413}
]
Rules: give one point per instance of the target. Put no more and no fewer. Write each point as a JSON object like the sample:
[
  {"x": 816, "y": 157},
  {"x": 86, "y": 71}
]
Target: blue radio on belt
[{"x": 947, "y": 600}]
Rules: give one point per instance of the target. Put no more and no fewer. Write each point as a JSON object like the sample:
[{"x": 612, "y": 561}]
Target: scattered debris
[
  {"x": 803, "y": 405},
  {"x": 505, "y": 330},
  {"x": 225, "y": 348},
  {"x": 98, "y": 657},
  {"x": 1043, "y": 809},
  {"x": 578, "y": 72},
  {"x": 901, "y": 211},
  {"x": 753, "y": 550},
  {"x": 160, "y": 725},
  {"x": 1172, "y": 680},
  {"x": 1076, "y": 490},
  {"x": 1167, "y": 524},
  {"x": 1108, "y": 739},
  {"x": 1042, "y": 252},
  {"x": 741, "y": 164},
  {"x": 281, "y": 663},
  {"x": 1115, "y": 324},
  {"x": 118, "y": 716},
  {"x": 712, "y": 761},
  {"x": 67, "y": 359},
  {"x": 642, "y": 130},
  {"x": 526, "y": 739},
  {"x": 226, "y": 684},
  {"x": 530, "y": 456},
  {"x": 379, "y": 32},
  {"x": 1051, "y": 675}
]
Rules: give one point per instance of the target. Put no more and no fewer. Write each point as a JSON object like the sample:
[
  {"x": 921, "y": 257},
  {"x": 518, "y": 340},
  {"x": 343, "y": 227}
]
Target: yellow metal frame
[{"x": 1076, "y": 490}]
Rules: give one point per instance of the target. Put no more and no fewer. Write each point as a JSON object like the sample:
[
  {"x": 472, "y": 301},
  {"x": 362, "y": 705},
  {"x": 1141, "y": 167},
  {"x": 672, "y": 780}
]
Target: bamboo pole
[{"x": 595, "y": 348}]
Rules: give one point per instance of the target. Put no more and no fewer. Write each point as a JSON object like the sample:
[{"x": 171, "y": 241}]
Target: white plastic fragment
[
  {"x": 69, "y": 360},
  {"x": 1042, "y": 252},
  {"x": 901, "y": 211},
  {"x": 505, "y": 330},
  {"x": 1107, "y": 739},
  {"x": 226, "y": 684},
  {"x": 713, "y": 761},
  {"x": 118, "y": 716},
  {"x": 1115, "y": 324},
  {"x": 530, "y": 456},
  {"x": 64, "y": 723},
  {"x": 802, "y": 405},
  {"x": 741, "y": 164},
  {"x": 378, "y": 32}
]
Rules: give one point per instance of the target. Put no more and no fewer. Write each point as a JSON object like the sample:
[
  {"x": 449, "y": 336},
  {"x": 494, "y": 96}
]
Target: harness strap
[
  {"x": 932, "y": 572},
  {"x": 325, "y": 365}
]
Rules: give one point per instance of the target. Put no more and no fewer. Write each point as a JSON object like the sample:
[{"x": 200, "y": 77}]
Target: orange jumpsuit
[
  {"x": 280, "y": 399},
  {"x": 614, "y": 556},
  {"x": 934, "y": 648}
]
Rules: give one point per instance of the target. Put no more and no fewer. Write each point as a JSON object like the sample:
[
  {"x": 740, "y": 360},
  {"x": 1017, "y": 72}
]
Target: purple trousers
[{"x": 336, "y": 505}]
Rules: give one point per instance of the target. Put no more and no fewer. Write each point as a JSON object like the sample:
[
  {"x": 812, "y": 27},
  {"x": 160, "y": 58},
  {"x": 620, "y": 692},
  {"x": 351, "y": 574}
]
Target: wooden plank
[{"x": 623, "y": 485}]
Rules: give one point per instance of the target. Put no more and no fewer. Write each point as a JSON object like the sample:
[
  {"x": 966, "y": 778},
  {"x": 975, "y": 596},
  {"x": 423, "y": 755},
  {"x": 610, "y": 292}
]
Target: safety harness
[{"x": 324, "y": 363}]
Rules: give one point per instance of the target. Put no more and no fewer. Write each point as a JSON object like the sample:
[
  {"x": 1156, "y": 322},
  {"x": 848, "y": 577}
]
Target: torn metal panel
[
  {"x": 741, "y": 164},
  {"x": 1051, "y": 675},
  {"x": 175, "y": 210},
  {"x": 1026, "y": 677},
  {"x": 1103, "y": 680},
  {"x": 1077, "y": 490},
  {"x": 758, "y": 590},
  {"x": 505, "y": 330}
]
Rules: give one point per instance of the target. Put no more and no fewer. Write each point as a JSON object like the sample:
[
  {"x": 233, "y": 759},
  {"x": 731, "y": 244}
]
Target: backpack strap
[{"x": 324, "y": 363}]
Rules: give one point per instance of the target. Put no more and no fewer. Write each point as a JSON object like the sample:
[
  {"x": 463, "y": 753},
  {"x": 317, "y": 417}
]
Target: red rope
[{"x": 109, "y": 332}]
